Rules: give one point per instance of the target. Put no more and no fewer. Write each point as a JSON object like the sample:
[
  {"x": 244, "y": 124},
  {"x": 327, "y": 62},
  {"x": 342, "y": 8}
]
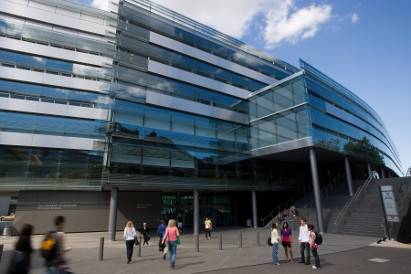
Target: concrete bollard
[
  {"x": 258, "y": 238},
  {"x": 221, "y": 242},
  {"x": 101, "y": 249}
]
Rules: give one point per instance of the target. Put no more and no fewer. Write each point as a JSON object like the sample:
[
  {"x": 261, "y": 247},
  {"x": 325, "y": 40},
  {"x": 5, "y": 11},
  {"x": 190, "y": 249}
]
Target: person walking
[
  {"x": 180, "y": 223},
  {"x": 130, "y": 237},
  {"x": 20, "y": 263},
  {"x": 304, "y": 241},
  {"x": 56, "y": 263},
  {"x": 275, "y": 240},
  {"x": 171, "y": 235},
  {"x": 287, "y": 240},
  {"x": 146, "y": 234},
  {"x": 208, "y": 225},
  {"x": 314, "y": 247},
  {"x": 160, "y": 233}
]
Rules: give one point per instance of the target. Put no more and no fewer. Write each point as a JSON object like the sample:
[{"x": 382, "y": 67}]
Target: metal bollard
[
  {"x": 1, "y": 250},
  {"x": 197, "y": 242},
  {"x": 221, "y": 242},
  {"x": 258, "y": 238},
  {"x": 139, "y": 246},
  {"x": 101, "y": 248},
  {"x": 241, "y": 240}
]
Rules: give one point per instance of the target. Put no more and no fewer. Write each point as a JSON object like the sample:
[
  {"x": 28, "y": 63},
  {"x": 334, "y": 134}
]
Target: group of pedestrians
[
  {"x": 306, "y": 240},
  {"x": 168, "y": 239},
  {"x": 55, "y": 261}
]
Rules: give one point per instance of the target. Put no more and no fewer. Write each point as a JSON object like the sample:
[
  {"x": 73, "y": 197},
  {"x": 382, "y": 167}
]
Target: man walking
[
  {"x": 56, "y": 262},
  {"x": 208, "y": 226},
  {"x": 304, "y": 240},
  {"x": 160, "y": 233}
]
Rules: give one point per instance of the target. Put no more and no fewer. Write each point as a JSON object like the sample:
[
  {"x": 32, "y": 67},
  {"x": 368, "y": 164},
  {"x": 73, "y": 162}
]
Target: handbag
[
  {"x": 269, "y": 241},
  {"x": 178, "y": 240},
  {"x": 136, "y": 242}
]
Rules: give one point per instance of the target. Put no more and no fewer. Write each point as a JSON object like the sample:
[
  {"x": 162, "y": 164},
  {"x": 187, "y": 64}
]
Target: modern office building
[{"x": 141, "y": 113}]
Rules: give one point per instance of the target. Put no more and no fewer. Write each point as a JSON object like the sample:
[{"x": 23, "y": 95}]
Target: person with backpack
[
  {"x": 314, "y": 246},
  {"x": 20, "y": 262},
  {"x": 53, "y": 249}
]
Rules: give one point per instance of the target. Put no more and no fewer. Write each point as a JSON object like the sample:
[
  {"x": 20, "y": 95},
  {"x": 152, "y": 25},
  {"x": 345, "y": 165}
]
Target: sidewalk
[{"x": 84, "y": 256}]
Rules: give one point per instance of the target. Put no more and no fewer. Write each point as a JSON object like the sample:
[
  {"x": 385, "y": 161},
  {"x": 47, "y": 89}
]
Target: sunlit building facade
[{"x": 145, "y": 113}]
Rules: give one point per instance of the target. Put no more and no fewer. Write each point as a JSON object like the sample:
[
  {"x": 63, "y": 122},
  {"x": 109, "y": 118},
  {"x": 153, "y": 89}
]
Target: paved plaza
[{"x": 338, "y": 253}]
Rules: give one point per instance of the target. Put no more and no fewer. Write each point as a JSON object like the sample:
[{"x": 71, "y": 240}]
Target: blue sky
[{"x": 364, "y": 45}]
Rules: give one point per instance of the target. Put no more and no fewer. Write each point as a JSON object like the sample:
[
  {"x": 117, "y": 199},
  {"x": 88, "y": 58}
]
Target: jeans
[
  {"x": 275, "y": 253},
  {"x": 172, "y": 251},
  {"x": 129, "y": 245},
  {"x": 208, "y": 231},
  {"x": 316, "y": 257},
  {"x": 306, "y": 247},
  {"x": 55, "y": 270}
]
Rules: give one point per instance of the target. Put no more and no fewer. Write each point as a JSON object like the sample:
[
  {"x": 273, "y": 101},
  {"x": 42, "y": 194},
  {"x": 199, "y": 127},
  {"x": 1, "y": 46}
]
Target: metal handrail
[
  {"x": 348, "y": 206},
  {"x": 282, "y": 205}
]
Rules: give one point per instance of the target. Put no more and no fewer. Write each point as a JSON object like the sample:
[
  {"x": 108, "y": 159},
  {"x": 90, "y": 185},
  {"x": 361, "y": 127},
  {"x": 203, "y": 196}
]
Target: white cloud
[
  {"x": 283, "y": 21},
  {"x": 292, "y": 24},
  {"x": 277, "y": 20},
  {"x": 354, "y": 18},
  {"x": 100, "y": 4}
]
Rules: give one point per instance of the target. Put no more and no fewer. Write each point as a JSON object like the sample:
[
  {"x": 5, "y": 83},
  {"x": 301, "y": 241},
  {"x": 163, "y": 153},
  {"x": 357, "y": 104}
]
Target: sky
[{"x": 365, "y": 45}]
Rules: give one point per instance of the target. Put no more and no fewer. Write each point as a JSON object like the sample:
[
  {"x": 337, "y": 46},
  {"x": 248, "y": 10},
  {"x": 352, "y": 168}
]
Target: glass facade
[{"x": 143, "y": 98}]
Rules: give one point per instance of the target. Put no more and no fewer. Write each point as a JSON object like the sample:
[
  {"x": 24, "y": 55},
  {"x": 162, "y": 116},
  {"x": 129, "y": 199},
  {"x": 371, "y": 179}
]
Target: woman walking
[
  {"x": 20, "y": 263},
  {"x": 275, "y": 240},
  {"x": 146, "y": 234},
  {"x": 287, "y": 241},
  {"x": 171, "y": 234},
  {"x": 314, "y": 247},
  {"x": 129, "y": 236}
]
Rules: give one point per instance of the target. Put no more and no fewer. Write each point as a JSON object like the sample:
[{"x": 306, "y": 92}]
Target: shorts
[
  {"x": 180, "y": 225},
  {"x": 287, "y": 244}
]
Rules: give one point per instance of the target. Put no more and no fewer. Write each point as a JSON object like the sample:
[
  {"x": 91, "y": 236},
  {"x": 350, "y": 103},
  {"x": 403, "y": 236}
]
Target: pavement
[{"x": 338, "y": 253}]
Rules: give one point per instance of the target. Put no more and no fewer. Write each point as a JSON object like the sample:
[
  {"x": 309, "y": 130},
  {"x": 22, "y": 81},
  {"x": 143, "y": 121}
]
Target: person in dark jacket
[
  {"x": 20, "y": 263},
  {"x": 146, "y": 234}
]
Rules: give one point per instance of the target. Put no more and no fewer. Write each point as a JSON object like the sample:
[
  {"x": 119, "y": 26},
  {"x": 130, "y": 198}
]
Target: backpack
[
  {"x": 48, "y": 245},
  {"x": 318, "y": 238}
]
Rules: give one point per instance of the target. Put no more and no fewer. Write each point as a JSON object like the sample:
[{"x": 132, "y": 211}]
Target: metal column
[
  {"x": 316, "y": 187},
  {"x": 348, "y": 174},
  {"x": 112, "y": 218},
  {"x": 196, "y": 218},
  {"x": 254, "y": 207},
  {"x": 369, "y": 169},
  {"x": 382, "y": 172}
]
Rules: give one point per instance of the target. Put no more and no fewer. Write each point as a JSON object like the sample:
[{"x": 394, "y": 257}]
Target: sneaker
[
  {"x": 307, "y": 263},
  {"x": 314, "y": 267}
]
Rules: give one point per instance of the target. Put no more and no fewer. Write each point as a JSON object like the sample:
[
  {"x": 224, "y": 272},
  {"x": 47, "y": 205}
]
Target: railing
[
  {"x": 287, "y": 204},
  {"x": 347, "y": 209}
]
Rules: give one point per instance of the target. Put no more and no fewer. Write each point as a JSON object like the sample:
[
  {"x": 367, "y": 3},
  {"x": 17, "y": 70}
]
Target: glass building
[{"x": 142, "y": 113}]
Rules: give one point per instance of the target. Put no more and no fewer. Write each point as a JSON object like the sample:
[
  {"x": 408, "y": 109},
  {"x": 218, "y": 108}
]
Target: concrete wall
[{"x": 85, "y": 211}]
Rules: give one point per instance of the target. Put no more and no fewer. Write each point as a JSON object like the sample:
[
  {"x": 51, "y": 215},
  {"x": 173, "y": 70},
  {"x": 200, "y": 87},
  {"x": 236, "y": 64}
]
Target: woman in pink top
[{"x": 171, "y": 236}]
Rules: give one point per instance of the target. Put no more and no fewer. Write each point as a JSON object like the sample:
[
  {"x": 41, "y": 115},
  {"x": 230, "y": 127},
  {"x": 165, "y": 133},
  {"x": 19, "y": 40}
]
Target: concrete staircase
[{"x": 366, "y": 218}]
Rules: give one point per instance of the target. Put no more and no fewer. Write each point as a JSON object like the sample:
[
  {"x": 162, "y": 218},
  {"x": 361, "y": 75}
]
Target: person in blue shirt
[{"x": 160, "y": 233}]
